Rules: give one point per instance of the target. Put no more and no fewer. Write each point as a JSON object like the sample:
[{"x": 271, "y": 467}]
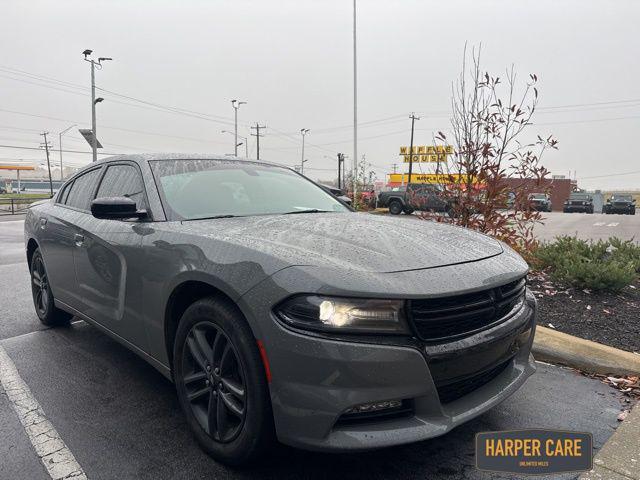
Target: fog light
[{"x": 374, "y": 407}]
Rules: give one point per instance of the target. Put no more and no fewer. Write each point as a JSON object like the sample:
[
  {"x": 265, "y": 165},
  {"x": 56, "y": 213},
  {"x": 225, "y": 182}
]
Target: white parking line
[
  {"x": 599, "y": 224},
  {"x": 613, "y": 224},
  {"x": 54, "y": 454}
]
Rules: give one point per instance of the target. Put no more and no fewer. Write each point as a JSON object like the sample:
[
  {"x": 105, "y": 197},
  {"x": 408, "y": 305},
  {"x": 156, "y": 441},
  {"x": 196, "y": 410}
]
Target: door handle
[
  {"x": 79, "y": 239},
  {"x": 43, "y": 223}
]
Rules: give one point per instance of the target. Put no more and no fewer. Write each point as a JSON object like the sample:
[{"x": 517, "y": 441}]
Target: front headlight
[{"x": 330, "y": 314}]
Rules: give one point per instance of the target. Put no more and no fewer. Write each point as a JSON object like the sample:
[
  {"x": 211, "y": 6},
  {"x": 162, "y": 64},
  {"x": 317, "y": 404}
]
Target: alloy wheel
[
  {"x": 40, "y": 286},
  {"x": 214, "y": 382}
]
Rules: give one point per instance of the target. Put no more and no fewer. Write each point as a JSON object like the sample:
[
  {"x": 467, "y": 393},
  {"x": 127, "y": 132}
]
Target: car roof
[{"x": 146, "y": 157}]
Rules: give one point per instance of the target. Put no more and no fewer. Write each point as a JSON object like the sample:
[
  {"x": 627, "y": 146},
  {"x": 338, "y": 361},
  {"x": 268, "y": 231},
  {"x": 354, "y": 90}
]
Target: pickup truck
[{"x": 415, "y": 196}]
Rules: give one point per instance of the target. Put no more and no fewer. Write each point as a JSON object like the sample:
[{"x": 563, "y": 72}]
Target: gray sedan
[{"x": 278, "y": 312}]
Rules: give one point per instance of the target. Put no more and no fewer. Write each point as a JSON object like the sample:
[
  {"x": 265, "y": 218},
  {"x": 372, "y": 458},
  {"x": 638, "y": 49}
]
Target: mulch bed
[{"x": 609, "y": 318}]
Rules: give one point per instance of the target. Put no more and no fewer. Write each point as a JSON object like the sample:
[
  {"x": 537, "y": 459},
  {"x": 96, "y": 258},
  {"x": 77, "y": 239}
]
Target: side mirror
[
  {"x": 344, "y": 199},
  {"x": 116, "y": 208}
]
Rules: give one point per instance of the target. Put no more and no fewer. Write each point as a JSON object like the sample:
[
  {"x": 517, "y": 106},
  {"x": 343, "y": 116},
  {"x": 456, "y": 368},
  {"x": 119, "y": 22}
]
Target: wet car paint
[{"x": 256, "y": 262}]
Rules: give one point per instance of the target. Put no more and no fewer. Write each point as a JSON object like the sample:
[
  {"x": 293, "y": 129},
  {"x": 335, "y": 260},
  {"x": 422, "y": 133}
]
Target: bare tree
[{"x": 489, "y": 118}]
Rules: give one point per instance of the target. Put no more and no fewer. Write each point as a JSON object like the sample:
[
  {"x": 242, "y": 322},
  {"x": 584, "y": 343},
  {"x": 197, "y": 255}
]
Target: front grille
[
  {"x": 457, "y": 389},
  {"x": 448, "y": 318}
]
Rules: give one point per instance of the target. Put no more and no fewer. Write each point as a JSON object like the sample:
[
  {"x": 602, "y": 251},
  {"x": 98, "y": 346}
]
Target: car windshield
[
  {"x": 626, "y": 198},
  {"x": 193, "y": 189},
  {"x": 579, "y": 196},
  {"x": 537, "y": 196}
]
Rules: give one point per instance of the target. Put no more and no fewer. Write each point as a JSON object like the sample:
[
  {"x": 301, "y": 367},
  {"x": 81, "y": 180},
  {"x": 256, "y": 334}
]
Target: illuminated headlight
[{"x": 314, "y": 312}]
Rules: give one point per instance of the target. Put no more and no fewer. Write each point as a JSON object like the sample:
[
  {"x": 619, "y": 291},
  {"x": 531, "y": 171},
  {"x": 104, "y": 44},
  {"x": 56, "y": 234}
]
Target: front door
[{"x": 107, "y": 259}]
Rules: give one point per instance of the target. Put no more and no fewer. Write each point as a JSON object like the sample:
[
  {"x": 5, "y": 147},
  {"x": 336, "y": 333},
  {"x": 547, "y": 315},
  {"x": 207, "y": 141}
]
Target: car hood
[{"x": 351, "y": 241}]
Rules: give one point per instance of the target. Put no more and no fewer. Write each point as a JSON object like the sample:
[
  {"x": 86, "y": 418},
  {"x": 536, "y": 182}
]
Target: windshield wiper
[
  {"x": 212, "y": 218},
  {"x": 308, "y": 210}
]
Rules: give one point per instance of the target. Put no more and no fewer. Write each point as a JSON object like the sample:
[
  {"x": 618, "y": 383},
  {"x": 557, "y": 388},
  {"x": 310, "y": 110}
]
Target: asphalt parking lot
[
  {"x": 120, "y": 418},
  {"x": 589, "y": 226}
]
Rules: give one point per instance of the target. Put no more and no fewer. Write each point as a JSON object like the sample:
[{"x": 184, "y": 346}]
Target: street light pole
[
  {"x": 60, "y": 147},
  {"x": 245, "y": 140},
  {"x": 355, "y": 108},
  {"x": 94, "y": 140},
  {"x": 303, "y": 132},
  {"x": 236, "y": 106}
]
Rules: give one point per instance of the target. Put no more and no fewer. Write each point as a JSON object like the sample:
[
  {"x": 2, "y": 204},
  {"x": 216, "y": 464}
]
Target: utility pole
[
  {"x": 236, "y": 106},
  {"x": 340, "y": 162},
  {"x": 395, "y": 168},
  {"x": 94, "y": 140},
  {"x": 303, "y": 132},
  {"x": 46, "y": 146},
  {"x": 413, "y": 119},
  {"x": 257, "y": 135},
  {"x": 60, "y": 148},
  {"x": 355, "y": 108}
]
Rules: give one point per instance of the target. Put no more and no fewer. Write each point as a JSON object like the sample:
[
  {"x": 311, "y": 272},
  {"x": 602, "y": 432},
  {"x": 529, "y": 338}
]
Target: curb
[
  {"x": 556, "y": 347},
  {"x": 619, "y": 458}
]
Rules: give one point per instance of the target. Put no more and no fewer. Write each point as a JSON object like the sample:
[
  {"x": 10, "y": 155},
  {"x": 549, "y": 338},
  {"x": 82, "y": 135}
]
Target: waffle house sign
[{"x": 426, "y": 153}]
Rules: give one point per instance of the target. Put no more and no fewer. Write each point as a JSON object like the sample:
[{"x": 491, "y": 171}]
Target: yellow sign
[
  {"x": 433, "y": 157},
  {"x": 428, "y": 150},
  {"x": 437, "y": 178}
]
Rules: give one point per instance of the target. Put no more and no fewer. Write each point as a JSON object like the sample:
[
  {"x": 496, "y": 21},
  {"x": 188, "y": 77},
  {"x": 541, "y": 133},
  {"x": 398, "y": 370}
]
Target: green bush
[{"x": 603, "y": 265}]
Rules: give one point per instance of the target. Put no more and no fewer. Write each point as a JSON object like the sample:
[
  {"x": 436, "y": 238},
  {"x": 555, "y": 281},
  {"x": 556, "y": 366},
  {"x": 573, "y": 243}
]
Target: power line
[{"x": 21, "y": 147}]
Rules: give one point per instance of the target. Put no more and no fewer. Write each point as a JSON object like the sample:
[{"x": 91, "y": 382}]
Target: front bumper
[{"x": 315, "y": 380}]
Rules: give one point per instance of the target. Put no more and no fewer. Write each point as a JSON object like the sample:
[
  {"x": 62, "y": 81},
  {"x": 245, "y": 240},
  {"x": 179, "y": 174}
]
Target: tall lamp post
[
  {"x": 244, "y": 139},
  {"x": 94, "y": 64},
  {"x": 60, "y": 147},
  {"x": 303, "y": 132},
  {"x": 236, "y": 105}
]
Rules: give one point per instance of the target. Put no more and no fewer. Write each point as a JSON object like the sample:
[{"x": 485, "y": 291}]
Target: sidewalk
[{"x": 619, "y": 459}]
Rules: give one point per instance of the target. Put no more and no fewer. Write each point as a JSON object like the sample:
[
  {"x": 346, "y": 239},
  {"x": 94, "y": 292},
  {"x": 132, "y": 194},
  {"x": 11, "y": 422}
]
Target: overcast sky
[{"x": 291, "y": 60}]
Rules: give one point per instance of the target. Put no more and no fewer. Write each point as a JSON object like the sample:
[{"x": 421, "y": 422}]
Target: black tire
[
  {"x": 229, "y": 377},
  {"x": 43, "y": 300},
  {"x": 395, "y": 207}
]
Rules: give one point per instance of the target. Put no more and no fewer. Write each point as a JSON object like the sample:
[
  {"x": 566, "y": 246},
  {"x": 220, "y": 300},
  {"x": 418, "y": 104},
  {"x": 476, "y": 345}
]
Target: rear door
[
  {"x": 108, "y": 260},
  {"x": 58, "y": 235}
]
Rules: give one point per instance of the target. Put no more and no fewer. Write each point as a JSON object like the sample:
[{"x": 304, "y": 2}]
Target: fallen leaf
[{"x": 623, "y": 415}]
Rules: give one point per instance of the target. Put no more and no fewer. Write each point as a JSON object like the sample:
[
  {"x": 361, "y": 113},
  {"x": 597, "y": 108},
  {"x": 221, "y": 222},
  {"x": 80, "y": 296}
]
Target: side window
[
  {"x": 123, "y": 181},
  {"x": 79, "y": 195},
  {"x": 62, "y": 198}
]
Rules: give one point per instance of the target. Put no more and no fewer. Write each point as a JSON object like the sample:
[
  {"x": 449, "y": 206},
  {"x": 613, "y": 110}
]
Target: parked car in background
[
  {"x": 415, "y": 196},
  {"x": 620, "y": 203},
  {"x": 277, "y": 311},
  {"x": 578, "y": 202},
  {"x": 540, "y": 202}
]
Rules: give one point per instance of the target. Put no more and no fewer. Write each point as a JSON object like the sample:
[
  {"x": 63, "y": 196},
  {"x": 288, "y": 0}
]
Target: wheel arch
[
  {"x": 184, "y": 294},
  {"x": 32, "y": 246}
]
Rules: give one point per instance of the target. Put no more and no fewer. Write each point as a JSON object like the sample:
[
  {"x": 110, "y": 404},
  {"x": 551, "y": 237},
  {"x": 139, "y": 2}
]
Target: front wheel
[
  {"x": 42, "y": 297},
  {"x": 395, "y": 207},
  {"x": 221, "y": 382}
]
